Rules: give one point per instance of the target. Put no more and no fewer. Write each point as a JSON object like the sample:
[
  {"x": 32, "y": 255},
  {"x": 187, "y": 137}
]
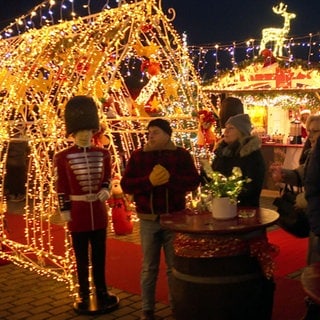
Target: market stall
[{"x": 274, "y": 95}]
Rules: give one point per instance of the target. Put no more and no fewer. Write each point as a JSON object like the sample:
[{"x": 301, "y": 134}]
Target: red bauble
[
  {"x": 266, "y": 53},
  {"x": 82, "y": 66},
  {"x": 154, "y": 68},
  {"x": 146, "y": 27},
  {"x": 145, "y": 65}
]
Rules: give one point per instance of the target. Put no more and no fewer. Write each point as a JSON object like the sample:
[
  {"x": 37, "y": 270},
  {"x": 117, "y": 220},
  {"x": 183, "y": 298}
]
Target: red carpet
[
  {"x": 293, "y": 252},
  {"x": 124, "y": 265},
  {"x": 288, "y": 300},
  {"x": 124, "y": 261},
  {"x": 16, "y": 229},
  {"x": 289, "y": 296},
  {"x": 123, "y": 271}
]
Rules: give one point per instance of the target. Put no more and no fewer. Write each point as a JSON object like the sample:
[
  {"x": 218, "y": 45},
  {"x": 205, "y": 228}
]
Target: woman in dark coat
[{"x": 239, "y": 148}]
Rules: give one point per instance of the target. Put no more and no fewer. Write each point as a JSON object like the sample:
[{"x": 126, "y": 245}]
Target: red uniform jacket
[{"x": 83, "y": 171}]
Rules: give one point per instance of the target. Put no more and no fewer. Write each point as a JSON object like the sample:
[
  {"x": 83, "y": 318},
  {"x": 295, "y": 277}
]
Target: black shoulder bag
[{"x": 293, "y": 220}]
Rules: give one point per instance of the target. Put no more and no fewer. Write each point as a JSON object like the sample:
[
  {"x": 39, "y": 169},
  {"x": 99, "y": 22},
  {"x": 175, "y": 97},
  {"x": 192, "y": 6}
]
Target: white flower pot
[{"x": 223, "y": 208}]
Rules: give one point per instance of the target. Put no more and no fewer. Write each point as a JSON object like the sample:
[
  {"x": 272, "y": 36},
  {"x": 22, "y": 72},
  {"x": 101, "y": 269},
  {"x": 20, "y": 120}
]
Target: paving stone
[{"x": 26, "y": 295}]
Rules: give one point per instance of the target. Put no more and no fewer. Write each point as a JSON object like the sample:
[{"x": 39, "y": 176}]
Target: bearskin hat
[{"x": 81, "y": 113}]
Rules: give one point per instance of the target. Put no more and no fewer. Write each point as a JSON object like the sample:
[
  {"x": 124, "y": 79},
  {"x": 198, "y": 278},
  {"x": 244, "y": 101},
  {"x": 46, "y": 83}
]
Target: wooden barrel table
[{"x": 223, "y": 268}]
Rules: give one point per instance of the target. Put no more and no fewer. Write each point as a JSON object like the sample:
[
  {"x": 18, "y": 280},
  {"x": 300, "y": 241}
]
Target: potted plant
[{"x": 219, "y": 194}]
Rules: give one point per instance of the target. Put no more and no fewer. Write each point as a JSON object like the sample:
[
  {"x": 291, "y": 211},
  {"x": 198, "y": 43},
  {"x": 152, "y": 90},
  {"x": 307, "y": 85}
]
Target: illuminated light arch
[{"x": 43, "y": 67}]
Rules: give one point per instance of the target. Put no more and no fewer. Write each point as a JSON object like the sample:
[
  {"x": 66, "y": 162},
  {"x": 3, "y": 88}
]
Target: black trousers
[{"x": 80, "y": 243}]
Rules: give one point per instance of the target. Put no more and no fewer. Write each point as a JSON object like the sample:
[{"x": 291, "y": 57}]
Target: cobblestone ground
[{"x": 27, "y": 295}]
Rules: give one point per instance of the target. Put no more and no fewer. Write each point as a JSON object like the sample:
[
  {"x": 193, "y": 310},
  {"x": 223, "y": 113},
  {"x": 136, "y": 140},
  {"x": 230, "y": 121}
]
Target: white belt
[{"x": 89, "y": 197}]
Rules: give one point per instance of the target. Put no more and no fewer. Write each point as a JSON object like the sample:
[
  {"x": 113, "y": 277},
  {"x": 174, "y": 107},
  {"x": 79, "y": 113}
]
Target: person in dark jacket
[
  {"x": 312, "y": 195},
  {"x": 238, "y": 148},
  {"x": 312, "y": 189},
  {"x": 308, "y": 174},
  {"x": 159, "y": 175},
  {"x": 230, "y": 106}
]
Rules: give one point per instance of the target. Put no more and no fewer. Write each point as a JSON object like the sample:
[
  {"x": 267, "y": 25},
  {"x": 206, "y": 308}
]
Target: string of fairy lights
[
  {"x": 212, "y": 59},
  {"x": 129, "y": 58},
  {"x": 50, "y": 12},
  {"x": 209, "y": 59}
]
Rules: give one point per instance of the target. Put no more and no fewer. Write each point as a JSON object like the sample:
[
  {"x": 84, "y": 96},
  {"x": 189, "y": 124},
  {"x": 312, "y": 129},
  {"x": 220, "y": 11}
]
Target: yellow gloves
[{"x": 159, "y": 175}]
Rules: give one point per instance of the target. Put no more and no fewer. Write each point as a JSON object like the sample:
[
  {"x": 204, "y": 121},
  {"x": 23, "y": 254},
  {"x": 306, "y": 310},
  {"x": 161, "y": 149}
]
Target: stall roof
[{"x": 257, "y": 77}]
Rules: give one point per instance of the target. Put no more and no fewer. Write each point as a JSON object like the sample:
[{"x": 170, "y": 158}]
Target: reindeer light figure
[{"x": 278, "y": 35}]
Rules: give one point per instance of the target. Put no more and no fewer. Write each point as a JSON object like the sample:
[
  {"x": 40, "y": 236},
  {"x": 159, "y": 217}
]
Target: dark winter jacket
[
  {"x": 151, "y": 201},
  {"x": 312, "y": 188},
  {"x": 245, "y": 154}
]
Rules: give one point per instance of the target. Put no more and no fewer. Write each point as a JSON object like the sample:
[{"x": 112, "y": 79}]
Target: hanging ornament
[
  {"x": 268, "y": 57},
  {"x": 145, "y": 65},
  {"x": 145, "y": 51},
  {"x": 146, "y": 27},
  {"x": 139, "y": 48},
  {"x": 170, "y": 87},
  {"x": 153, "y": 68},
  {"x": 82, "y": 65},
  {"x": 206, "y": 135},
  {"x": 155, "y": 105},
  {"x": 150, "y": 50}
]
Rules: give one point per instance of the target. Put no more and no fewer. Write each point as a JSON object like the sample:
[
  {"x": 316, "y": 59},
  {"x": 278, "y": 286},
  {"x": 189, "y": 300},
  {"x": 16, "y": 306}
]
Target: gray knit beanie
[{"x": 242, "y": 123}]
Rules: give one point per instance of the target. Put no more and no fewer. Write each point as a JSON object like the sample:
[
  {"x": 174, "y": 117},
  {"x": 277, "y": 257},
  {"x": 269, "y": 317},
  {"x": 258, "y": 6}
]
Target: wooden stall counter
[
  {"x": 276, "y": 144},
  {"x": 223, "y": 268}
]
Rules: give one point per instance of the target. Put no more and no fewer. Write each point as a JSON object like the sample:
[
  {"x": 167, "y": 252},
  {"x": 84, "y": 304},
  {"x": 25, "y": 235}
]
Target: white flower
[{"x": 221, "y": 186}]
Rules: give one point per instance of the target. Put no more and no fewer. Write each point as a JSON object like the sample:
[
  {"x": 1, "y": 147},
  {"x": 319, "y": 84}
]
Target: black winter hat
[
  {"x": 230, "y": 106},
  {"x": 162, "y": 124},
  {"x": 81, "y": 113}
]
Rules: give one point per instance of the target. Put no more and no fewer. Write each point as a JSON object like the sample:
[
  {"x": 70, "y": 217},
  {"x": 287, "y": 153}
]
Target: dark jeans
[{"x": 97, "y": 241}]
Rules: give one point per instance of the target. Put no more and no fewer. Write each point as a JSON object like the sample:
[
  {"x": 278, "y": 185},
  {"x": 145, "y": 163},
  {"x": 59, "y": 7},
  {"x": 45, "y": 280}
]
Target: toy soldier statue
[{"x": 83, "y": 174}]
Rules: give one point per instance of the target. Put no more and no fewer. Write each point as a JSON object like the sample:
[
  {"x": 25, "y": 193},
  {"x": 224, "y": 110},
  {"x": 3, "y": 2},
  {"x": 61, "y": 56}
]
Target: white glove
[
  {"x": 103, "y": 195},
  {"x": 65, "y": 216}
]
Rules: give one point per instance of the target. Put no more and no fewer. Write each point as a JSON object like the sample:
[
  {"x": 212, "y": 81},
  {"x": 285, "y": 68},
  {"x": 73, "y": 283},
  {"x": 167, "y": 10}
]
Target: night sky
[
  {"x": 211, "y": 21},
  {"x": 223, "y": 21}
]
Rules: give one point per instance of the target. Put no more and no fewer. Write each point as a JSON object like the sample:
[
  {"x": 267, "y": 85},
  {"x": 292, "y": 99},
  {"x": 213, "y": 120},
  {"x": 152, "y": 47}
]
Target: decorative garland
[{"x": 201, "y": 246}]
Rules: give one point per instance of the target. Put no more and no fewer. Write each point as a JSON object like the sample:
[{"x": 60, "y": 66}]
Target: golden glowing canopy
[{"x": 130, "y": 59}]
